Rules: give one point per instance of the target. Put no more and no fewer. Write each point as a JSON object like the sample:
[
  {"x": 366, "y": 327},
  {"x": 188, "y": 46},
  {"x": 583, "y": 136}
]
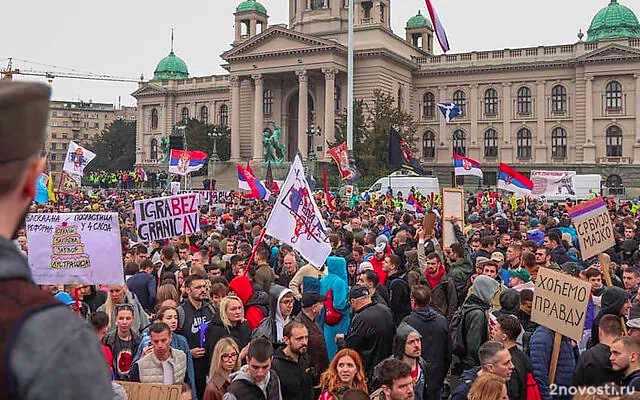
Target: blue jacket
[
  {"x": 540, "y": 348},
  {"x": 144, "y": 287},
  {"x": 336, "y": 280},
  {"x": 178, "y": 342}
]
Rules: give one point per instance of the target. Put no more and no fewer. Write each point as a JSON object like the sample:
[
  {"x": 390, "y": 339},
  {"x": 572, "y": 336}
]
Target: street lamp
[
  {"x": 214, "y": 136},
  {"x": 311, "y": 132}
]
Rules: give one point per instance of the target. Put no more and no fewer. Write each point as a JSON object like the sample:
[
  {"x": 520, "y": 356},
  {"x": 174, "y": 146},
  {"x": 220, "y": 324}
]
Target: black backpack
[{"x": 457, "y": 331}]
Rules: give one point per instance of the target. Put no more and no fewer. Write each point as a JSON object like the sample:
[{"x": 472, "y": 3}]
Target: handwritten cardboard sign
[
  {"x": 74, "y": 248},
  {"x": 150, "y": 391},
  {"x": 560, "y": 303},
  {"x": 452, "y": 206},
  {"x": 166, "y": 217},
  {"x": 593, "y": 225}
]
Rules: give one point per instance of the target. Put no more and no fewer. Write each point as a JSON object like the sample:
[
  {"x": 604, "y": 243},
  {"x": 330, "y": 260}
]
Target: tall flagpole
[{"x": 350, "y": 83}]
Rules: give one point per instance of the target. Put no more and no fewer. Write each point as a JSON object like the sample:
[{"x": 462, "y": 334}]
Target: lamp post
[
  {"x": 214, "y": 136},
  {"x": 311, "y": 132}
]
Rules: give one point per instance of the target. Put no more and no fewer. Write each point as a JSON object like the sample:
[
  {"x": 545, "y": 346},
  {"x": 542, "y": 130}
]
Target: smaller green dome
[
  {"x": 171, "y": 67},
  {"x": 419, "y": 21},
  {"x": 615, "y": 21},
  {"x": 251, "y": 5}
]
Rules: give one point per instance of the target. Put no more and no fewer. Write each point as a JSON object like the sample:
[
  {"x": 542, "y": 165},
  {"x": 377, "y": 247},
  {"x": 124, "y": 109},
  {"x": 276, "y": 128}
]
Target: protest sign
[
  {"x": 593, "y": 225},
  {"x": 82, "y": 248},
  {"x": 452, "y": 206},
  {"x": 174, "y": 188},
  {"x": 150, "y": 391},
  {"x": 428, "y": 223},
  {"x": 68, "y": 185},
  {"x": 77, "y": 158},
  {"x": 166, "y": 217},
  {"x": 214, "y": 198},
  {"x": 560, "y": 303},
  {"x": 552, "y": 183}
]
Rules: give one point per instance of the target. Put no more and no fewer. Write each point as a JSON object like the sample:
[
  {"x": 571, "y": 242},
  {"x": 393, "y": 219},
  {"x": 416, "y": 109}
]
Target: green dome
[
  {"x": 251, "y": 5},
  {"x": 171, "y": 67},
  {"x": 615, "y": 21},
  {"x": 418, "y": 21}
]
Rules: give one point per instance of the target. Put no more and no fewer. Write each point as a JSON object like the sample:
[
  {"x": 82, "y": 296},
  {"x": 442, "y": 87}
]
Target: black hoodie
[{"x": 613, "y": 299}]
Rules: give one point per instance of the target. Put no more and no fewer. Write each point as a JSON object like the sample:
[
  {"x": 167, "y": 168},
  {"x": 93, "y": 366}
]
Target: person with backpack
[
  {"x": 398, "y": 287},
  {"x": 335, "y": 319},
  {"x": 506, "y": 331}
]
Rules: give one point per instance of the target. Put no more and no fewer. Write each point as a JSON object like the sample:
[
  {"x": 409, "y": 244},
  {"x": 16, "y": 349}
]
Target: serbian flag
[
  {"x": 513, "y": 181},
  {"x": 439, "y": 28},
  {"x": 258, "y": 191},
  {"x": 182, "y": 161},
  {"x": 466, "y": 166},
  {"x": 414, "y": 205},
  {"x": 141, "y": 172}
]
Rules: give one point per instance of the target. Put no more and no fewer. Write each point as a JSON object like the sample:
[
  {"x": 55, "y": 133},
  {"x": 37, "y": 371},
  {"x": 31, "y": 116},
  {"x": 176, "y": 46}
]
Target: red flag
[
  {"x": 341, "y": 156},
  {"x": 328, "y": 198}
]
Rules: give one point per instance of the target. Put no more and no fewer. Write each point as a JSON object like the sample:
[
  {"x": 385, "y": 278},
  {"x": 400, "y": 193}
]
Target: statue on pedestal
[
  {"x": 165, "y": 150},
  {"x": 274, "y": 149}
]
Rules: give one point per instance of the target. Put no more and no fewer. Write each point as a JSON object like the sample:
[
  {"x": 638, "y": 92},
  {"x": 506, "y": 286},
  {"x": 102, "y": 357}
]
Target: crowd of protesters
[{"x": 392, "y": 314}]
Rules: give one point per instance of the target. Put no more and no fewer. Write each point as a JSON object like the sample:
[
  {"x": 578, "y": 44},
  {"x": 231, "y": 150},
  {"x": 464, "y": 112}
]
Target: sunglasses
[{"x": 124, "y": 306}]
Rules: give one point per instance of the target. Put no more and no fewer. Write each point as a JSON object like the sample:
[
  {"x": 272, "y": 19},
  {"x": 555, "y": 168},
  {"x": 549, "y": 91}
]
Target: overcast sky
[{"x": 127, "y": 38}]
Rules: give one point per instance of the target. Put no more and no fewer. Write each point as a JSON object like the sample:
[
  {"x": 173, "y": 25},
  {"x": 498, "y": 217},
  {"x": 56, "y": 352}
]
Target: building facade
[
  {"x": 573, "y": 106},
  {"x": 81, "y": 122}
]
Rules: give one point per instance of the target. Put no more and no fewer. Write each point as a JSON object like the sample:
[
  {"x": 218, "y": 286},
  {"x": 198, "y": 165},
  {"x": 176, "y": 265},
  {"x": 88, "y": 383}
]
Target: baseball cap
[
  {"x": 533, "y": 222},
  {"x": 312, "y": 297},
  {"x": 358, "y": 291},
  {"x": 520, "y": 273},
  {"x": 571, "y": 268},
  {"x": 497, "y": 256},
  {"x": 64, "y": 298},
  {"x": 365, "y": 265}
]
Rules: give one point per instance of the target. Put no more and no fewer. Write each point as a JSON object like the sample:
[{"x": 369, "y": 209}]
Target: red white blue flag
[
  {"x": 248, "y": 181},
  {"x": 466, "y": 166},
  {"x": 513, "y": 181},
  {"x": 182, "y": 161},
  {"x": 437, "y": 24}
]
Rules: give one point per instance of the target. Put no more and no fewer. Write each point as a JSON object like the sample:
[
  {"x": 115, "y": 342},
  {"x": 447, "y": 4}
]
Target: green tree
[
  {"x": 114, "y": 147},
  {"x": 197, "y": 135}
]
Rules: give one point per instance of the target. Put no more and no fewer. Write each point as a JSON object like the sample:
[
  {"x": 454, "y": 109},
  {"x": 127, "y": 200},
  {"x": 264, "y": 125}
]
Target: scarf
[{"x": 434, "y": 279}]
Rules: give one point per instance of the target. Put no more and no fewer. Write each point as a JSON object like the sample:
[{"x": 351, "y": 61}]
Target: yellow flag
[
  {"x": 52, "y": 195},
  {"x": 514, "y": 202}
]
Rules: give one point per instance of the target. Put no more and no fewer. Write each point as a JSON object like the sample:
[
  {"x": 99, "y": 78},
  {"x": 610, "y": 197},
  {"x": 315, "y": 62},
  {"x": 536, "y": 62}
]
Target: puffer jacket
[{"x": 541, "y": 346}]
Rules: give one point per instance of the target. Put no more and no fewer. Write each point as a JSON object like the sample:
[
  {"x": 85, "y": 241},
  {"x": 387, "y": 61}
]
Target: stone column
[
  {"x": 252, "y": 28},
  {"x": 234, "y": 82},
  {"x": 473, "y": 115},
  {"x": 540, "y": 146},
  {"x": 258, "y": 116},
  {"x": 238, "y": 30},
  {"x": 506, "y": 152},
  {"x": 636, "y": 144},
  {"x": 329, "y": 105},
  {"x": 303, "y": 111},
  {"x": 589, "y": 145}
]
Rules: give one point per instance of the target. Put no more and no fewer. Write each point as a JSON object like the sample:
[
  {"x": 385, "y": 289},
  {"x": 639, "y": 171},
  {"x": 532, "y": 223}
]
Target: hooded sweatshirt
[
  {"x": 399, "y": 342},
  {"x": 245, "y": 387},
  {"x": 613, "y": 299}
]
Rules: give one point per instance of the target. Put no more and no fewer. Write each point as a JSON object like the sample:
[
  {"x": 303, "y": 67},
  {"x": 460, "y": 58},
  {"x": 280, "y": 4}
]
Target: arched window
[
  {"x": 337, "y": 98},
  {"x": 429, "y": 145},
  {"x": 154, "y": 149},
  {"x": 428, "y": 105},
  {"x": 224, "y": 115},
  {"x": 524, "y": 139},
  {"x": 614, "y": 184},
  {"x": 614, "y": 141},
  {"x": 491, "y": 143},
  {"x": 614, "y": 96},
  {"x": 459, "y": 142},
  {"x": 267, "y": 102},
  {"x": 317, "y": 4},
  {"x": 491, "y": 102},
  {"x": 185, "y": 114},
  {"x": 460, "y": 100},
  {"x": 154, "y": 118},
  {"x": 559, "y": 99},
  {"x": 524, "y": 101},
  {"x": 204, "y": 114},
  {"x": 559, "y": 143}
]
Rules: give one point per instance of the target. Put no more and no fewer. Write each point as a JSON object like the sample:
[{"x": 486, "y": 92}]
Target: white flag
[
  {"x": 296, "y": 219},
  {"x": 77, "y": 158}
]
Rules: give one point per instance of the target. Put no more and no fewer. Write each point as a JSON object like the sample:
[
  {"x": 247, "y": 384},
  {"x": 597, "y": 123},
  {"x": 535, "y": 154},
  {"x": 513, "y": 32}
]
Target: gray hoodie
[
  {"x": 55, "y": 355},
  {"x": 485, "y": 287},
  {"x": 243, "y": 375}
]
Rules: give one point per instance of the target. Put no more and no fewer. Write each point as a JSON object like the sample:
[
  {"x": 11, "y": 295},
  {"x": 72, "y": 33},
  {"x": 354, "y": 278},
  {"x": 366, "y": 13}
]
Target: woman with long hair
[
  {"x": 228, "y": 322},
  {"x": 488, "y": 386},
  {"x": 345, "y": 372},
  {"x": 119, "y": 294},
  {"x": 167, "y": 291},
  {"x": 224, "y": 361}
]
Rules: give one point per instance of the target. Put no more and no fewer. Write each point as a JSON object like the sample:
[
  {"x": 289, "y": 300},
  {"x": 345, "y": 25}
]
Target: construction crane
[{"x": 10, "y": 71}]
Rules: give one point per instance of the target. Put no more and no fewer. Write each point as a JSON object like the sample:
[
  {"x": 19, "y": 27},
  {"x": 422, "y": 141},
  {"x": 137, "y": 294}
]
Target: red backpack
[
  {"x": 332, "y": 316},
  {"x": 533, "y": 393}
]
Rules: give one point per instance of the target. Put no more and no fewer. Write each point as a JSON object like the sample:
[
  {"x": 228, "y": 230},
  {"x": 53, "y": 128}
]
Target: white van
[
  {"x": 581, "y": 186},
  {"x": 403, "y": 181}
]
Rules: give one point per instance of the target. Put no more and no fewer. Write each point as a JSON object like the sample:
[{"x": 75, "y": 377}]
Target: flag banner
[
  {"x": 183, "y": 162},
  {"x": 248, "y": 181},
  {"x": 513, "y": 181},
  {"x": 552, "y": 183},
  {"x": 328, "y": 197},
  {"x": 74, "y": 248},
  {"x": 268, "y": 180},
  {"x": 166, "y": 217},
  {"x": 439, "y": 28},
  {"x": 449, "y": 110},
  {"x": 142, "y": 173},
  {"x": 400, "y": 154},
  {"x": 77, "y": 158},
  {"x": 68, "y": 185},
  {"x": 466, "y": 166},
  {"x": 340, "y": 155},
  {"x": 42, "y": 191},
  {"x": 212, "y": 198},
  {"x": 296, "y": 219}
]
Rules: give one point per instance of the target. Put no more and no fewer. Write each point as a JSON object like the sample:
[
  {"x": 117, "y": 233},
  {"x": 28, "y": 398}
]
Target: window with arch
[
  {"x": 429, "y": 145},
  {"x": 224, "y": 115},
  {"x": 524, "y": 101},
  {"x": 154, "y": 149},
  {"x": 337, "y": 98},
  {"x": 614, "y": 141},
  {"x": 267, "y": 102},
  {"x": 614, "y": 184},
  {"x": 523, "y": 142},
  {"x": 491, "y": 143},
  {"x": 185, "y": 114},
  {"x": 204, "y": 114},
  {"x": 154, "y": 118},
  {"x": 317, "y": 4},
  {"x": 491, "y": 102},
  {"x": 459, "y": 142},
  {"x": 559, "y": 99},
  {"x": 613, "y": 95},
  {"x": 559, "y": 143},
  {"x": 460, "y": 100},
  {"x": 428, "y": 106}
]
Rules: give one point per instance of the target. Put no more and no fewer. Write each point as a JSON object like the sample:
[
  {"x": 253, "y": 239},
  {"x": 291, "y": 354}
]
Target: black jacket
[
  {"x": 399, "y": 296},
  {"x": 297, "y": 379},
  {"x": 594, "y": 368},
  {"x": 613, "y": 298},
  {"x": 371, "y": 334},
  {"x": 144, "y": 287},
  {"x": 436, "y": 346},
  {"x": 216, "y": 330},
  {"x": 517, "y": 384},
  {"x": 190, "y": 329},
  {"x": 632, "y": 381}
]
